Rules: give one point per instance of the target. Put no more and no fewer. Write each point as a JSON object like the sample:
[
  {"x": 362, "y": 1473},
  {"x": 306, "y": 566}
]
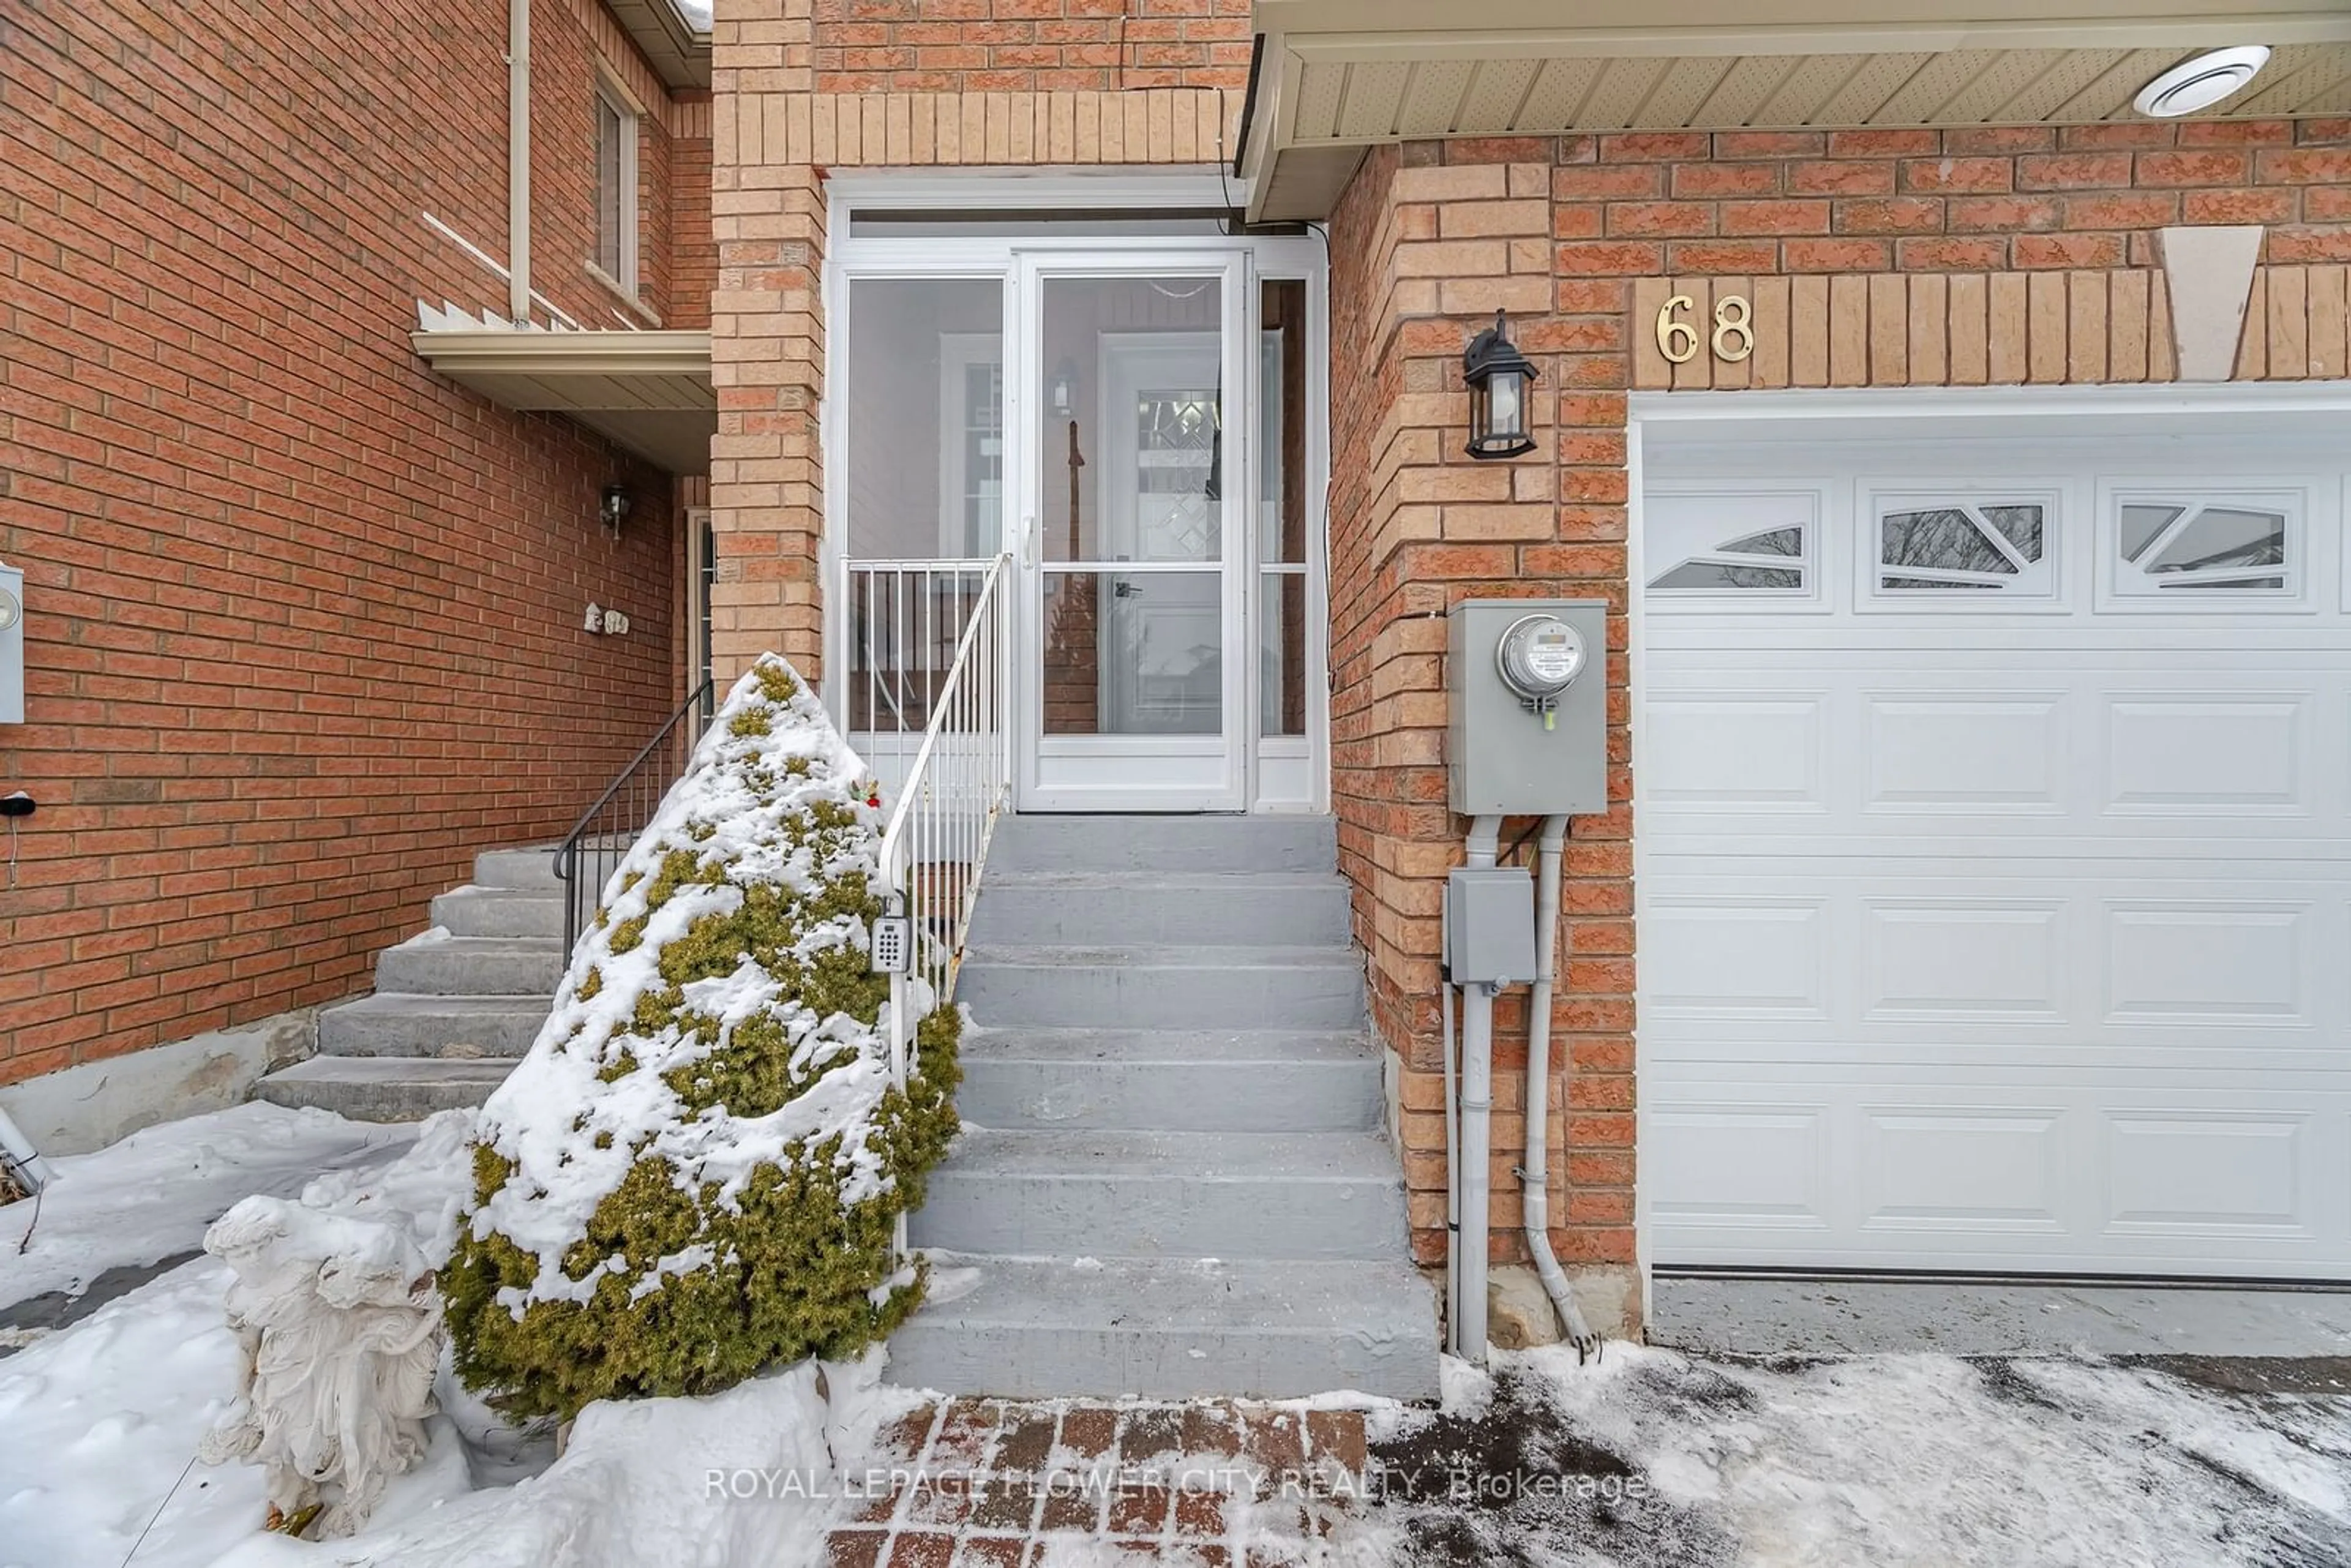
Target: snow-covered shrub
[{"x": 696, "y": 1172}]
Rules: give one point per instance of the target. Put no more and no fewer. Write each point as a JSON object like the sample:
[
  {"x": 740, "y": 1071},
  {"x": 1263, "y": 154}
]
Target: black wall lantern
[
  {"x": 1497, "y": 377},
  {"x": 615, "y": 509}
]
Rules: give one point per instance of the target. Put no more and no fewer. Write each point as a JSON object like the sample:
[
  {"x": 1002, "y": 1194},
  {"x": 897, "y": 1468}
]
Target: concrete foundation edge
[{"x": 88, "y": 1106}]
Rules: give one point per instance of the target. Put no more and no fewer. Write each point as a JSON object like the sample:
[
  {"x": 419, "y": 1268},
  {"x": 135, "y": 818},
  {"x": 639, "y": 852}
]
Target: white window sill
[{"x": 624, "y": 294}]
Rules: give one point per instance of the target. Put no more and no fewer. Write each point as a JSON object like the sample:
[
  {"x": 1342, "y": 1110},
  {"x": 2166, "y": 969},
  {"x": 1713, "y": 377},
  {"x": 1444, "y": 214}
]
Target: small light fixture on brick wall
[
  {"x": 1498, "y": 376},
  {"x": 616, "y": 506}
]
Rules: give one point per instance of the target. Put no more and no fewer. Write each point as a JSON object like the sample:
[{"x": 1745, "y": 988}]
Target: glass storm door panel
[{"x": 1131, "y": 534}]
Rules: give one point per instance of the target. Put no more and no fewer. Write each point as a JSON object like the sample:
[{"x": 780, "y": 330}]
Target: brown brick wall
[
  {"x": 1874, "y": 258},
  {"x": 303, "y": 620},
  {"x": 1029, "y": 45}
]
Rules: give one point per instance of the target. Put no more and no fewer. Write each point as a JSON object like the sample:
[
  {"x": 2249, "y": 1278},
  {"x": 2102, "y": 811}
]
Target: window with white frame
[
  {"x": 1741, "y": 543},
  {"x": 616, "y": 187},
  {"x": 1983, "y": 546},
  {"x": 2168, "y": 543}
]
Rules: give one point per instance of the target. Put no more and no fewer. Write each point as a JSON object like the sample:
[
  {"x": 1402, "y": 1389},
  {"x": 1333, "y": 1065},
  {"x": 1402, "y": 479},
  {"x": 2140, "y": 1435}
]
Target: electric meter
[
  {"x": 9, "y": 609},
  {"x": 1508, "y": 661},
  {"x": 1538, "y": 657}
]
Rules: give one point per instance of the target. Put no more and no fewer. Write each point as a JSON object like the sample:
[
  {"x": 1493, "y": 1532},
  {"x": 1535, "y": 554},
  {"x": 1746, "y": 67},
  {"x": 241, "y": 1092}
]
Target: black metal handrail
[{"x": 602, "y": 837}]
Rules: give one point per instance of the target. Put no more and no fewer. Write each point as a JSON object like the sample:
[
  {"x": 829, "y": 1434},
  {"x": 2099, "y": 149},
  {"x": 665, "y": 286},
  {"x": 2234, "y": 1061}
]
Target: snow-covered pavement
[
  {"x": 1878, "y": 1460},
  {"x": 1647, "y": 1458},
  {"x": 150, "y": 1197}
]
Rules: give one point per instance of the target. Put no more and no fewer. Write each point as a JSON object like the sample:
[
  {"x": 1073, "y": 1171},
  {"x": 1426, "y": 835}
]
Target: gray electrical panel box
[
  {"x": 1490, "y": 926},
  {"x": 1528, "y": 682},
  {"x": 12, "y": 645}
]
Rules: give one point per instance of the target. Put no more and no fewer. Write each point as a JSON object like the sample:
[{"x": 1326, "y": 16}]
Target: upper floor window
[{"x": 616, "y": 188}]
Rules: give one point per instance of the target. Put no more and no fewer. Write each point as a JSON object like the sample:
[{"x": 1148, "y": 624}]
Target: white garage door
[{"x": 1994, "y": 835}]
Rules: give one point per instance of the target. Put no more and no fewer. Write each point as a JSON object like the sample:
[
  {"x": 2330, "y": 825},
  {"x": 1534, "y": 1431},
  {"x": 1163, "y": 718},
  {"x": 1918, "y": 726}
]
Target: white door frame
[
  {"x": 1966, "y": 412},
  {"x": 1279, "y": 773}
]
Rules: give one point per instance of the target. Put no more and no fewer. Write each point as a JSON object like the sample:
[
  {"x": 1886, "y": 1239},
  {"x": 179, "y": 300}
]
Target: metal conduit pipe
[
  {"x": 1534, "y": 1175},
  {"x": 1470, "y": 1242},
  {"x": 1452, "y": 1153}
]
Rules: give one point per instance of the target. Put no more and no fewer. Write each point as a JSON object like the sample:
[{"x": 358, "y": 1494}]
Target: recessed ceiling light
[{"x": 2202, "y": 82}]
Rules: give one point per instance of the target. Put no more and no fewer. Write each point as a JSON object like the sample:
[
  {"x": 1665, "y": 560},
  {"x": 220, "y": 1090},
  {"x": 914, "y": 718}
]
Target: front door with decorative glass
[{"x": 1132, "y": 421}]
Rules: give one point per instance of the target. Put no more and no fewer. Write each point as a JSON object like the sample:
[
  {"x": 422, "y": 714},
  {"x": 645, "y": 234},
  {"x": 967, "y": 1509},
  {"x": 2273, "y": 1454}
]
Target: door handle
[
  {"x": 1029, "y": 540},
  {"x": 1125, "y": 589}
]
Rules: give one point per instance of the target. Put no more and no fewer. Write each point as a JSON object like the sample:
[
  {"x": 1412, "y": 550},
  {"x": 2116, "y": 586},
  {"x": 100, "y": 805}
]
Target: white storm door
[{"x": 1130, "y": 391}]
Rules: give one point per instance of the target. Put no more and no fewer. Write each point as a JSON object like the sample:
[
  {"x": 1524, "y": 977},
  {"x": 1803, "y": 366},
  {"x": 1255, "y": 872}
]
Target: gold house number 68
[{"x": 1733, "y": 337}]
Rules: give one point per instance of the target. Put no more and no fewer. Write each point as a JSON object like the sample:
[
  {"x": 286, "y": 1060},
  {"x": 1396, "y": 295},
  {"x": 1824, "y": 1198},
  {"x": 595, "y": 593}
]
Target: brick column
[
  {"x": 767, "y": 345},
  {"x": 1429, "y": 243}
]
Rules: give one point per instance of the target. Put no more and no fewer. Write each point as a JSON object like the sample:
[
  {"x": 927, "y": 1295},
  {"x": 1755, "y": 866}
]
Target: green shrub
[{"x": 697, "y": 1171}]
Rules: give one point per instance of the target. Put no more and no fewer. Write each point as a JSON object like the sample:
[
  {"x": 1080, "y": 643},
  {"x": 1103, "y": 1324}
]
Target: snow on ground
[
  {"x": 1881, "y": 1460},
  {"x": 99, "y": 1422},
  {"x": 1647, "y": 1459},
  {"x": 151, "y": 1196}
]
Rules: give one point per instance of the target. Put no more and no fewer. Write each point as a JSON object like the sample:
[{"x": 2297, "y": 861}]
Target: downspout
[
  {"x": 518, "y": 162},
  {"x": 1471, "y": 1243},
  {"x": 1534, "y": 1176}
]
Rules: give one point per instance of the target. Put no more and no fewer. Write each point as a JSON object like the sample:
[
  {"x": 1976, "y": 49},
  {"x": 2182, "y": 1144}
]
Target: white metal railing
[
  {"x": 947, "y": 800},
  {"x": 905, "y": 623}
]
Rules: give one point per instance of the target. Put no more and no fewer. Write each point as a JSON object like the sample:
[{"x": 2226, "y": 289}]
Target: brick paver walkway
[{"x": 990, "y": 1484}]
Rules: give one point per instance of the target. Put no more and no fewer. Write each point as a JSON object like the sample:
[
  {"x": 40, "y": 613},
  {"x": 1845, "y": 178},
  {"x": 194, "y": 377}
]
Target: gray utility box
[
  {"x": 1502, "y": 757},
  {"x": 1490, "y": 926}
]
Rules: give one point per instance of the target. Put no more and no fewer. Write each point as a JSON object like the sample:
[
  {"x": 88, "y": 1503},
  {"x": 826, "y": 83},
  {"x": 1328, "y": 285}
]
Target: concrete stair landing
[
  {"x": 452, "y": 1008},
  {"x": 1173, "y": 1180}
]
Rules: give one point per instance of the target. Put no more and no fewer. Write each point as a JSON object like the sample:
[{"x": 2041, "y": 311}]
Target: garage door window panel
[
  {"x": 2194, "y": 550},
  {"x": 1964, "y": 548},
  {"x": 1736, "y": 547}
]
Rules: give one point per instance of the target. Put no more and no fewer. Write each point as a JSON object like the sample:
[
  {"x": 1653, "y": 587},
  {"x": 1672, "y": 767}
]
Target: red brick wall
[
  {"x": 693, "y": 259},
  {"x": 303, "y": 620},
  {"x": 1030, "y": 46},
  {"x": 1431, "y": 237},
  {"x": 569, "y": 39}
]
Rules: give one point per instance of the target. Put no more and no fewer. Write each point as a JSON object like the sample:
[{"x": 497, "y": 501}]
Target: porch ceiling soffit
[
  {"x": 679, "y": 53},
  {"x": 650, "y": 393},
  {"x": 1336, "y": 77}
]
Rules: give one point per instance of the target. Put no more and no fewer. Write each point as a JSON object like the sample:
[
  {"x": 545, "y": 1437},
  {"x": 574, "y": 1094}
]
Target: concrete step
[
  {"x": 1041, "y": 1328},
  {"x": 1164, "y": 987},
  {"x": 1234, "y": 908},
  {"x": 1178, "y": 843},
  {"x": 383, "y": 1088},
  {"x": 528, "y": 866},
  {"x": 1166, "y": 1195},
  {"x": 391, "y": 1024},
  {"x": 476, "y": 910},
  {"x": 1256, "y": 1081},
  {"x": 439, "y": 965}
]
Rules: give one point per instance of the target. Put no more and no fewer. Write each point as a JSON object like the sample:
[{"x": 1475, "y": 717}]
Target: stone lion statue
[{"x": 339, "y": 1323}]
